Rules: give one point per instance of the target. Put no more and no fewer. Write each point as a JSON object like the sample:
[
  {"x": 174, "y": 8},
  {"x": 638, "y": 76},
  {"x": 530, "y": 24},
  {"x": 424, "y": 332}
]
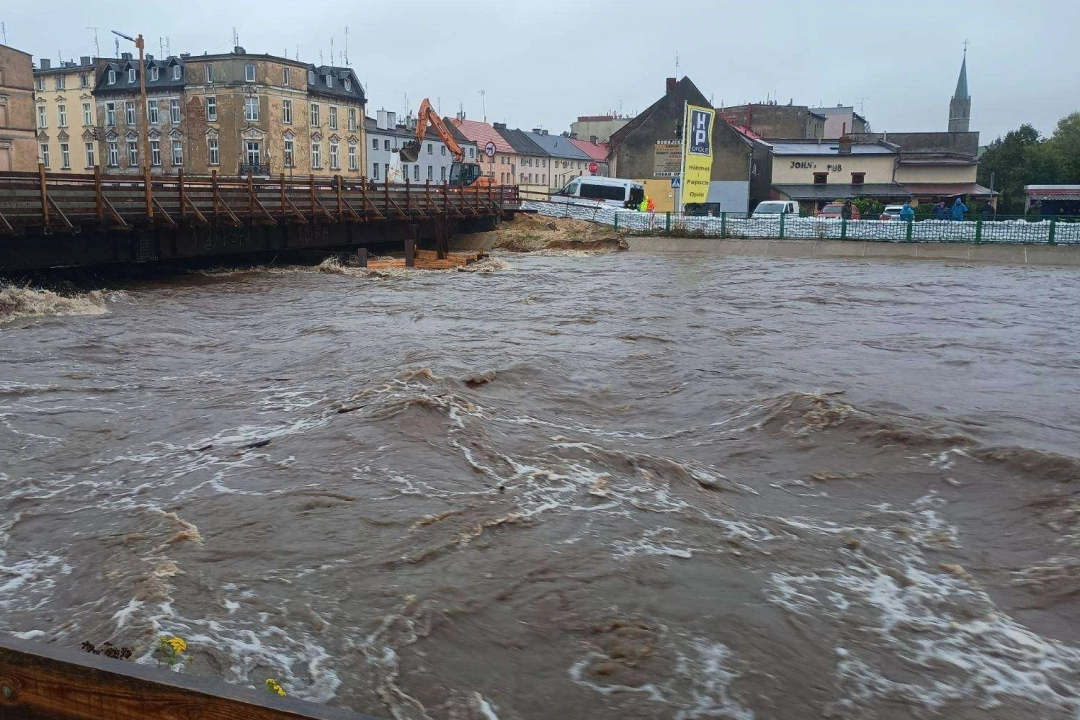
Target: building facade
[
  {"x": 600, "y": 127},
  {"x": 841, "y": 120},
  {"x": 565, "y": 160},
  {"x": 769, "y": 120},
  {"x": 65, "y": 116},
  {"x": 117, "y": 101},
  {"x": 18, "y": 144},
  {"x": 502, "y": 163}
]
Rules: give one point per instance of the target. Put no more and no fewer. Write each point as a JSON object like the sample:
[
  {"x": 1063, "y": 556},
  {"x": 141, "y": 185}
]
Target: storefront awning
[
  {"x": 948, "y": 190},
  {"x": 829, "y": 191}
]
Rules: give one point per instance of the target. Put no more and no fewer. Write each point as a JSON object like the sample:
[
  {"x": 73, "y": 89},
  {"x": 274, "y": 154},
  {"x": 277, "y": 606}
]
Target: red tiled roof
[
  {"x": 741, "y": 129},
  {"x": 482, "y": 133},
  {"x": 948, "y": 189},
  {"x": 598, "y": 152}
]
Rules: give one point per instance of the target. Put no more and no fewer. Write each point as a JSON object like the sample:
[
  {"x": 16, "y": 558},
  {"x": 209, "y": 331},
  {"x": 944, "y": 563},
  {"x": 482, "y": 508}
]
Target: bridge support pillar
[{"x": 410, "y": 246}]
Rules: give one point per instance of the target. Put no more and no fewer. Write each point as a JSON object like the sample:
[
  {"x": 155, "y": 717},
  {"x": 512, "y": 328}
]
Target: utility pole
[
  {"x": 3, "y": 30},
  {"x": 144, "y": 136}
]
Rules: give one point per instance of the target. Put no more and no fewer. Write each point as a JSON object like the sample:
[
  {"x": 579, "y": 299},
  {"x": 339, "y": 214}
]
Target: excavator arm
[{"x": 410, "y": 151}]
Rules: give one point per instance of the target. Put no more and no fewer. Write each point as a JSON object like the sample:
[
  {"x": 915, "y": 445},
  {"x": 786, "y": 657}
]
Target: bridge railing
[{"x": 69, "y": 202}]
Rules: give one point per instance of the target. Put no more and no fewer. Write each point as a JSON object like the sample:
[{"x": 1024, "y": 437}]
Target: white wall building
[{"x": 385, "y": 136}]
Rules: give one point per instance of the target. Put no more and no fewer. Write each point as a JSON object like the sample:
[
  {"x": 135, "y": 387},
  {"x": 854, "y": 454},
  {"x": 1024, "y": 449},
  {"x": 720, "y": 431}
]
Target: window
[
  {"x": 114, "y": 154},
  {"x": 333, "y": 156},
  {"x": 112, "y": 77},
  {"x": 289, "y": 153},
  {"x": 45, "y": 155},
  {"x": 110, "y": 114},
  {"x": 133, "y": 154},
  {"x": 386, "y": 144},
  {"x": 348, "y": 85},
  {"x": 430, "y": 173},
  {"x": 131, "y": 75},
  {"x": 329, "y": 81},
  {"x": 249, "y": 73},
  {"x": 430, "y": 149},
  {"x": 286, "y": 112},
  {"x": 212, "y": 151},
  {"x": 442, "y": 150},
  {"x": 175, "y": 72},
  {"x": 821, "y": 178},
  {"x": 353, "y": 161},
  {"x": 209, "y": 73},
  {"x": 858, "y": 178},
  {"x": 39, "y": 84},
  {"x": 155, "y": 153},
  {"x": 316, "y": 157},
  {"x": 314, "y": 114},
  {"x": 404, "y": 172},
  {"x": 374, "y": 143},
  {"x": 253, "y": 153},
  {"x": 152, "y": 111},
  {"x": 333, "y": 117},
  {"x": 174, "y": 111},
  {"x": 87, "y": 114},
  {"x": 442, "y": 173},
  {"x": 375, "y": 171},
  {"x": 211, "y": 108},
  {"x": 59, "y": 82},
  {"x": 286, "y": 75},
  {"x": 416, "y": 172},
  {"x": 42, "y": 118},
  {"x": 251, "y": 109},
  {"x": 310, "y": 77},
  {"x": 471, "y": 151},
  {"x": 386, "y": 170},
  {"x": 177, "y": 153},
  {"x": 155, "y": 73},
  {"x": 352, "y": 119},
  {"x": 129, "y": 112},
  {"x": 61, "y": 115}
]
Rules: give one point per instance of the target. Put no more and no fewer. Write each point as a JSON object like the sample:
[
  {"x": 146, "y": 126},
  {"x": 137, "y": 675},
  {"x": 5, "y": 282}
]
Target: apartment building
[
  {"x": 17, "y": 142},
  {"x": 65, "y": 117},
  {"x": 385, "y": 136},
  {"x": 117, "y": 99}
]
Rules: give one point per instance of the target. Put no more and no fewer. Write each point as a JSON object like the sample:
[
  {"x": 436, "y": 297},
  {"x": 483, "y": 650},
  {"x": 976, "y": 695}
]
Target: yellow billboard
[{"x": 698, "y": 154}]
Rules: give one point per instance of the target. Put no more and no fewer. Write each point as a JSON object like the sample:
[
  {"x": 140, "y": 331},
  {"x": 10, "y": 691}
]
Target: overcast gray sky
[{"x": 543, "y": 63}]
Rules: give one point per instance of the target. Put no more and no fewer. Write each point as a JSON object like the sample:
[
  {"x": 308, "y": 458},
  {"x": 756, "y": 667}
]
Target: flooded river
[{"x": 624, "y": 486}]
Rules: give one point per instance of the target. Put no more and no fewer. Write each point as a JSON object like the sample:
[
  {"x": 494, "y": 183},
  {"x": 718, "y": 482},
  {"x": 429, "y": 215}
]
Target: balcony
[{"x": 257, "y": 170}]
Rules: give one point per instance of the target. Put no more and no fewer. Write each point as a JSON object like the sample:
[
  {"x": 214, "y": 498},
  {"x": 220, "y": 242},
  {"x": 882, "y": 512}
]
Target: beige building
[
  {"x": 65, "y": 116},
  {"x": 600, "y": 127},
  {"x": 18, "y": 147},
  {"x": 269, "y": 115}
]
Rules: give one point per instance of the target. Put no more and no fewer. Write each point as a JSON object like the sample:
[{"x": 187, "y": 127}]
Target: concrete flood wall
[{"x": 848, "y": 249}]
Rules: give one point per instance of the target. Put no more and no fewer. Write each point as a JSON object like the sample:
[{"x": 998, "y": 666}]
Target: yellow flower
[
  {"x": 272, "y": 686},
  {"x": 177, "y": 644}
]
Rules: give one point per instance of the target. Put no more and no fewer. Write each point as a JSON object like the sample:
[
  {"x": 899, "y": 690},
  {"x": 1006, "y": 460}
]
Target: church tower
[{"x": 960, "y": 105}]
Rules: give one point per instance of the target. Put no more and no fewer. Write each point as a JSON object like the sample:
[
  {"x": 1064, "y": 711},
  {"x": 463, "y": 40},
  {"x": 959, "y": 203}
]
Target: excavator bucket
[{"x": 410, "y": 151}]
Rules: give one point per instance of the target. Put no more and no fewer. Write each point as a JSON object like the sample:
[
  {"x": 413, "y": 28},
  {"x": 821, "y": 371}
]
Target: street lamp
[{"x": 144, "y": 136}]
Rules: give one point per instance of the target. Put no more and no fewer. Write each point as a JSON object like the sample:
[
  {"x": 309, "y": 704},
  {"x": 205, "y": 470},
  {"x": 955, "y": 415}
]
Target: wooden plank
[
  {"x": 67, "y": 223},
  {"x": 40, "y": 681}
]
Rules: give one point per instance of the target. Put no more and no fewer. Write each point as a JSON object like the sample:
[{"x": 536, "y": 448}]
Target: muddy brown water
[{"x": 625, "y": 486}]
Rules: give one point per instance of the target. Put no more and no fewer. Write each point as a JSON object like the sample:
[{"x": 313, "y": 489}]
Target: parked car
[
  {"x": 833, "y": 209},
  {"x": 775, "y": 208},
  {"x": 892, "y": 212}
]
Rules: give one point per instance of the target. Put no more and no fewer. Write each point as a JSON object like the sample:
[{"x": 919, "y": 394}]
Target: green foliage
[
  {"x": 1023, "y": 157},
  {"x": 869, "y": 209}
]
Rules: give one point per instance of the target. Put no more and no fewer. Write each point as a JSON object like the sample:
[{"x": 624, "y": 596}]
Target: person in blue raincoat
[
  {"x": 906, "y": 213},
  {"x": 959, "y": 209}
]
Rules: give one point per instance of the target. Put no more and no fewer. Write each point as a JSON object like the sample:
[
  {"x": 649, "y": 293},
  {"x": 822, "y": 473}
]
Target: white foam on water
[
  {"x": 487, "y": 710},
  {"x": 658, "y": 541}
]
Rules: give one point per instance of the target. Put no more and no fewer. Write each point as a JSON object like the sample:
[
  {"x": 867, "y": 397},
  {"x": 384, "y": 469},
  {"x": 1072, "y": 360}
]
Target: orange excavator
[{"x": 462, "y": 174}]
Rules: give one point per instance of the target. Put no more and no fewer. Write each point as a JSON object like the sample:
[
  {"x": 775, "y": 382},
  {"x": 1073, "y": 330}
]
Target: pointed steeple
[{"x": 960, "y": 105}]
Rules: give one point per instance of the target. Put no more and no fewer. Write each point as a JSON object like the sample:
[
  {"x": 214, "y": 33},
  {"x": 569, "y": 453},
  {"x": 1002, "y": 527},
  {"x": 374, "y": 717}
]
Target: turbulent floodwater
[{"x": 625, "y": 486}]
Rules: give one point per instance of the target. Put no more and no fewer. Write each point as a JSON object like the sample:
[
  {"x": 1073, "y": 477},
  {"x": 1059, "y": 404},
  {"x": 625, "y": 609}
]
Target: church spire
[{"x": 960, "y": 105}]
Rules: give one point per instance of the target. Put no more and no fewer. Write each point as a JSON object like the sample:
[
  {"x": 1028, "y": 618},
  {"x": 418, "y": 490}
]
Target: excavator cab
[
  {"x": 464, "y": 174},
  {"x": 410, "y": 151}
]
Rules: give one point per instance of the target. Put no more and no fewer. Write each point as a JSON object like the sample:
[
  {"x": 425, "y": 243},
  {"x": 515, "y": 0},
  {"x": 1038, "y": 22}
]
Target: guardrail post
[
  {"x": 910, "y": 223},
  {"x": 180, "y": 192},
  {"x": 386, "y": 194},
  {"x": 782, "y": 216},
  {"x": 214, "y": 192},
  {"x": 44, "y": 196},
  {"x": 616, "y": 219},
  {"x": 99, "y": 199},
  {"x": 284, "y": 215},
  {"x": 1053, "y": 228},
  {"x": 978, "y": 230},
  {"x": 149, "y": 192},
  {"x": 667, "y": 224},
  {"x": 363, "y": 197},
  {"x": 427, "y": 196},
  {"x": 407, "y": 186},
  {"x": 251, "y": 198},
  {"x": 311, "y": 181},
  {"x": 843, "y": 228},
  {"x": 340, "y": 182},
  {"x": 723, "y": 225}
]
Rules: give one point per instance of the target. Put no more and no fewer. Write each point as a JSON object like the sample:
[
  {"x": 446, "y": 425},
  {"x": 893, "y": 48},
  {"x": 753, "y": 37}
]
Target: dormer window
[
  {"x": 348, "y": 85},
  {"x": 249, "y": 73},
  {"x": 176, "y": 72},
  {"x": 329, "y": 81},
  {"x": 155, "y": 73},
  {"x": 131, "y": 75},
  {"x": 112, "y": 77},
  {"x": 310, "y": 77}
]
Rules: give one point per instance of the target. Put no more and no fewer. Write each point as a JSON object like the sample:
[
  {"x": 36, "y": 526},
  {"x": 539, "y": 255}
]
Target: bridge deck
[{"x": 56, "y": 203}]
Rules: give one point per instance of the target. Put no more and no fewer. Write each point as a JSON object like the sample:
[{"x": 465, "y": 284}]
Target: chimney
[
  {"x": 538, "y": 131},
  {"x": 125, "y": 56},
  {"x": 670, "y": 85},
  {"x": 594, "y": 140},
  {"x": 573, "y": 136},
  {"x": 45, "y": 63},
  {"x": 391, "y": 119},
  {"x": 149, "y": 58},
  {"x": 238, "y": 50},
  {"x": 545, "y": 132},
  {"x": 380, "y": 121},
  {"x": 499, "y": 126},
  {"x": 84, "y": 60},
  {"x": 185, "y": 55},
  {"x": 845, "y": 144}
]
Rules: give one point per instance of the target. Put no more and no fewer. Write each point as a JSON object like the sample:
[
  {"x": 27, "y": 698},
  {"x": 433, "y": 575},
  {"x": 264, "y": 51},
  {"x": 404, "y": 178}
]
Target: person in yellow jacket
[{"x": 644, "y": 204}]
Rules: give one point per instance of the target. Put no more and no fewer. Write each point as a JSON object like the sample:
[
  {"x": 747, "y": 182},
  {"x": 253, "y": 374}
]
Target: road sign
[
  {"x": 676, "y": 182},
  {"x": 489, "y": 149},
  {"x": 594, "y": 168}
]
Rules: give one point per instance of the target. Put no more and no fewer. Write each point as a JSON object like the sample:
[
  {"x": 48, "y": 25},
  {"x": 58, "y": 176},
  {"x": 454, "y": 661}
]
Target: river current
[{"x": 619, "y": 486}]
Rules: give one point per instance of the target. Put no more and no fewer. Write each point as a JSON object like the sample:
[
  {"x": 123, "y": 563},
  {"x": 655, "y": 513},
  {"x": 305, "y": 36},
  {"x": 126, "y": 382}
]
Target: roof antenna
[
  {"x": 97, "y": 49},
  {"x": 676, "y": 64},
  {"x": 346, "y": 45},
  {"x": 331, "y": 51},
  {"x": 161, "y": 46},
  {"x": 168, "y": 46},
  {"x": 483, "y": 103},
  {"x": 3, "y": 30},
  {"x": 117, "y": 42},
  {"x": 235, "y": 38}
]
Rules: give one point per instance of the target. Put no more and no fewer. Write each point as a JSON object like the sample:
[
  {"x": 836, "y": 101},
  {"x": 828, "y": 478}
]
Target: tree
[
  {"x": 1063, "y": 149},
  {"x": 1012, "y": 162}
]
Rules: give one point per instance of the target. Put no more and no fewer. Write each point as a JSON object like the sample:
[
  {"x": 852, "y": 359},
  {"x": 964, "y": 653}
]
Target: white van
[
  {"x": 591, "y": 190},
  {"x": 772, "y": 208}
]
